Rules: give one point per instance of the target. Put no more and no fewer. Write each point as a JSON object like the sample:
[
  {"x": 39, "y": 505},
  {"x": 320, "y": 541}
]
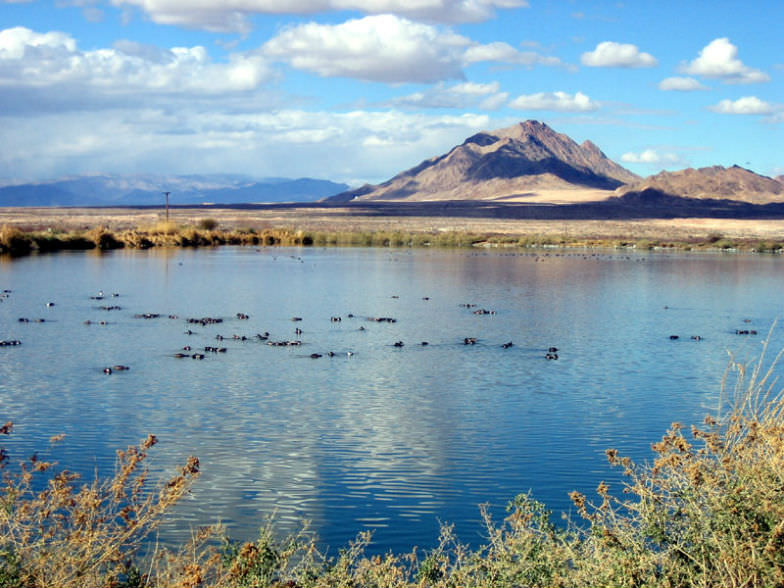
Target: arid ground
[{"x": 319, "y": 218}]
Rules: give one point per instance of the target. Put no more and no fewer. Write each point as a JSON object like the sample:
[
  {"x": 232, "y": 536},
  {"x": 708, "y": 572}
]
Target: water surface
[{"x": 393, "y": 439}]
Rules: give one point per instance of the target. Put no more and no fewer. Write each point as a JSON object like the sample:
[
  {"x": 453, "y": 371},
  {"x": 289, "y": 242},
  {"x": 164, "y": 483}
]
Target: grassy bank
[
  {"x": 206, "y": 232},
  {"x": 707, "y": 511}
]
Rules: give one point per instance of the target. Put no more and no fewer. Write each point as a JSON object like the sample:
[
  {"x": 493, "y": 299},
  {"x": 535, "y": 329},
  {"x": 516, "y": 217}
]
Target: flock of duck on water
[{"x": 188, "y": 351}]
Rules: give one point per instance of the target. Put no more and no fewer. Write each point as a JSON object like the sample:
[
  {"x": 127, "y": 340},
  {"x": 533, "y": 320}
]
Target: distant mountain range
[
  {"x": 111, "y": 190},
  {"x": 527, "y": 163},
  {"x": 531, "y": 163}
]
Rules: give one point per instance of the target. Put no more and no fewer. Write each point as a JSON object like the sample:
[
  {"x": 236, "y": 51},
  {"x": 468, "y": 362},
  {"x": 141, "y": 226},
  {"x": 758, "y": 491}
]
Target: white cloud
[
  {"x": 652, "y": 157},
  {"x": 378, "y": 48},
  {"x": 353, "y": 146},
  {"x": 505, "y": 53},
  {"x": 387, "y": 48},
  {"x": 719, "y": 59},
  {"x": 558, "y": 101},
  {"x": 745, "y": 105},
  {"x": 611, "y": 54},
  {"x": 465, "y": 95},
  {"x": 494, "y": 102},
  {"x": 221, "y": 16},
  {"x": 679, "y": 84},
  {"x": 44, "y": 61}
]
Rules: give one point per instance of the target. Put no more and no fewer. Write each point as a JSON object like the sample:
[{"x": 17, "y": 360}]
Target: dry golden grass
[{"x": 340, "y": 220}]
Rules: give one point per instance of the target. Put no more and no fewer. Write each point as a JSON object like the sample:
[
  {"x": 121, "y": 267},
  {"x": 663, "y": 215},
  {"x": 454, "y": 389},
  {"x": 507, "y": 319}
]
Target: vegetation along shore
[
  {"x": 707, "y": 511},
  {"x": 24, "y": 231}
]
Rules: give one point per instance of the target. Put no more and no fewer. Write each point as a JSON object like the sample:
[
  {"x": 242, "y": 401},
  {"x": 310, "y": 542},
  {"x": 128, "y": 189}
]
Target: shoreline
[{"x": 27, "y": 230}]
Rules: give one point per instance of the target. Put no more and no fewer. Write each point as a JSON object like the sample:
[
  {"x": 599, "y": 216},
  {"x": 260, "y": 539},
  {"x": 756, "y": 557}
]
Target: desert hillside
[{"x": 527, "y": 162}]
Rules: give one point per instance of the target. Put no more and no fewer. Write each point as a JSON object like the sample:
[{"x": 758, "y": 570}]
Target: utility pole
[{"x": 167, "y": 205}]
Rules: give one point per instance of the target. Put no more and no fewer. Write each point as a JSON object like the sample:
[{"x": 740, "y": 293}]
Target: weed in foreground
[{"x": 707, "y": 511}]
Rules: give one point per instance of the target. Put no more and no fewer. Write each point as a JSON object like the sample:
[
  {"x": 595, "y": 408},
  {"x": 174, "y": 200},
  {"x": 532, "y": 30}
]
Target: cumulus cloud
[
  {"x": 745, "y": 105},
  {"x": 381, "y": 48},
  {"x": 558, "y": 101},
  {"x": 390, "y": 49},
  {"x": 652, "y": 157},
  {"x": 221, "y": 16},
  {"x": 465, "y": 95},
  {"x": 611, "y": 54},
  {"x": 679, "y": 84},
  {"x": 31, "y": 60},
  {"x": 719, "y": 59}
]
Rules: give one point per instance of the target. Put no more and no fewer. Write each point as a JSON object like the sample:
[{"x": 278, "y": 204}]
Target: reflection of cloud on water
[{"x": 390, "y": 438}]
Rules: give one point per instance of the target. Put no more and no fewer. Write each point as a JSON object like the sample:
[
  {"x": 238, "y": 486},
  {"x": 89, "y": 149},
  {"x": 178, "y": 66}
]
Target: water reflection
[{"x": 388, "y": 438}]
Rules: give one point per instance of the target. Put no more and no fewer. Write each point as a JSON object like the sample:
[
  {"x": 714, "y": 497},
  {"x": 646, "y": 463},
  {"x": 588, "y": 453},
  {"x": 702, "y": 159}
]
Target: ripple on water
[{"x": 393, "y": 439}]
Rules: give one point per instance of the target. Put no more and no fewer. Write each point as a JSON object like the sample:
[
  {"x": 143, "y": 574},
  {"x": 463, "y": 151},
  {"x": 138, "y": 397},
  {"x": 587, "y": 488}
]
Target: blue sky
[{"x": 358, "y": 90}]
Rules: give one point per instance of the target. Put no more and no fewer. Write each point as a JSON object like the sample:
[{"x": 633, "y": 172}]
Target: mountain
[
  {"x": 710, "y": 183},
  {"x": 526, "y": 162},
  {"x": 110, "y": 190}
]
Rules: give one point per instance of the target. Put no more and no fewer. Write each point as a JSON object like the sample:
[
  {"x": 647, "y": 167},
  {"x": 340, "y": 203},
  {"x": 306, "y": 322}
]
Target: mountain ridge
[
  {"x": 711, "y": 183},
  {"x": 142, "y": 190},
  {"x": 515, "y": 162}
]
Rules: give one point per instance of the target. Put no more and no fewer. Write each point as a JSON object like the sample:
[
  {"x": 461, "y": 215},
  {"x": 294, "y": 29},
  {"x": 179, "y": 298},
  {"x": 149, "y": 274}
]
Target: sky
[{"x": 356, "y": 91}]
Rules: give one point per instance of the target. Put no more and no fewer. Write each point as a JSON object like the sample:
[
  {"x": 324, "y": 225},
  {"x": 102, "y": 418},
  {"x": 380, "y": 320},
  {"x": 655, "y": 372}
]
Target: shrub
[
  {"x": 103, "y": 239},
  {"x": 56, "y": 530},
  {"x": 207, "y": 224},
  {"x": 14, "y": 241}
]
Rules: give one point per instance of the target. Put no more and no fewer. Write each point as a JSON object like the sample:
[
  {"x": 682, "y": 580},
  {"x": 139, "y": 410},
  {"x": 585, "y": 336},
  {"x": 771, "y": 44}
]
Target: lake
[{"x": 395, "y": 439}]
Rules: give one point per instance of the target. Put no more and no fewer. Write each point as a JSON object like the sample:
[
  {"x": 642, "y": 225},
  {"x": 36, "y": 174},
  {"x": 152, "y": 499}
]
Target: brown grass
[{"x": 15, "y": 241}]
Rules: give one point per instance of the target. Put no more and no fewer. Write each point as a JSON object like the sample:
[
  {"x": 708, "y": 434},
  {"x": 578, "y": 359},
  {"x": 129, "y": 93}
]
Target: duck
[{"x": 507, "y": 345}]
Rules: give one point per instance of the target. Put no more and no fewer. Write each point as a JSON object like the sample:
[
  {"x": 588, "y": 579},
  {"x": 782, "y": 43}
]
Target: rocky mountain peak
[{"x": 506, "y": 163}]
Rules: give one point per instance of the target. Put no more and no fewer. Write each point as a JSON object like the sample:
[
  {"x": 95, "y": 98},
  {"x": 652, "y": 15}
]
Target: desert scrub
[{"x": 56, "y": 530}]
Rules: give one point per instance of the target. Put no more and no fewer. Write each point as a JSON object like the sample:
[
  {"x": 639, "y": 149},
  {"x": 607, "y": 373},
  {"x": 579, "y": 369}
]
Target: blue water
[{"x": 392, "y": 439}]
